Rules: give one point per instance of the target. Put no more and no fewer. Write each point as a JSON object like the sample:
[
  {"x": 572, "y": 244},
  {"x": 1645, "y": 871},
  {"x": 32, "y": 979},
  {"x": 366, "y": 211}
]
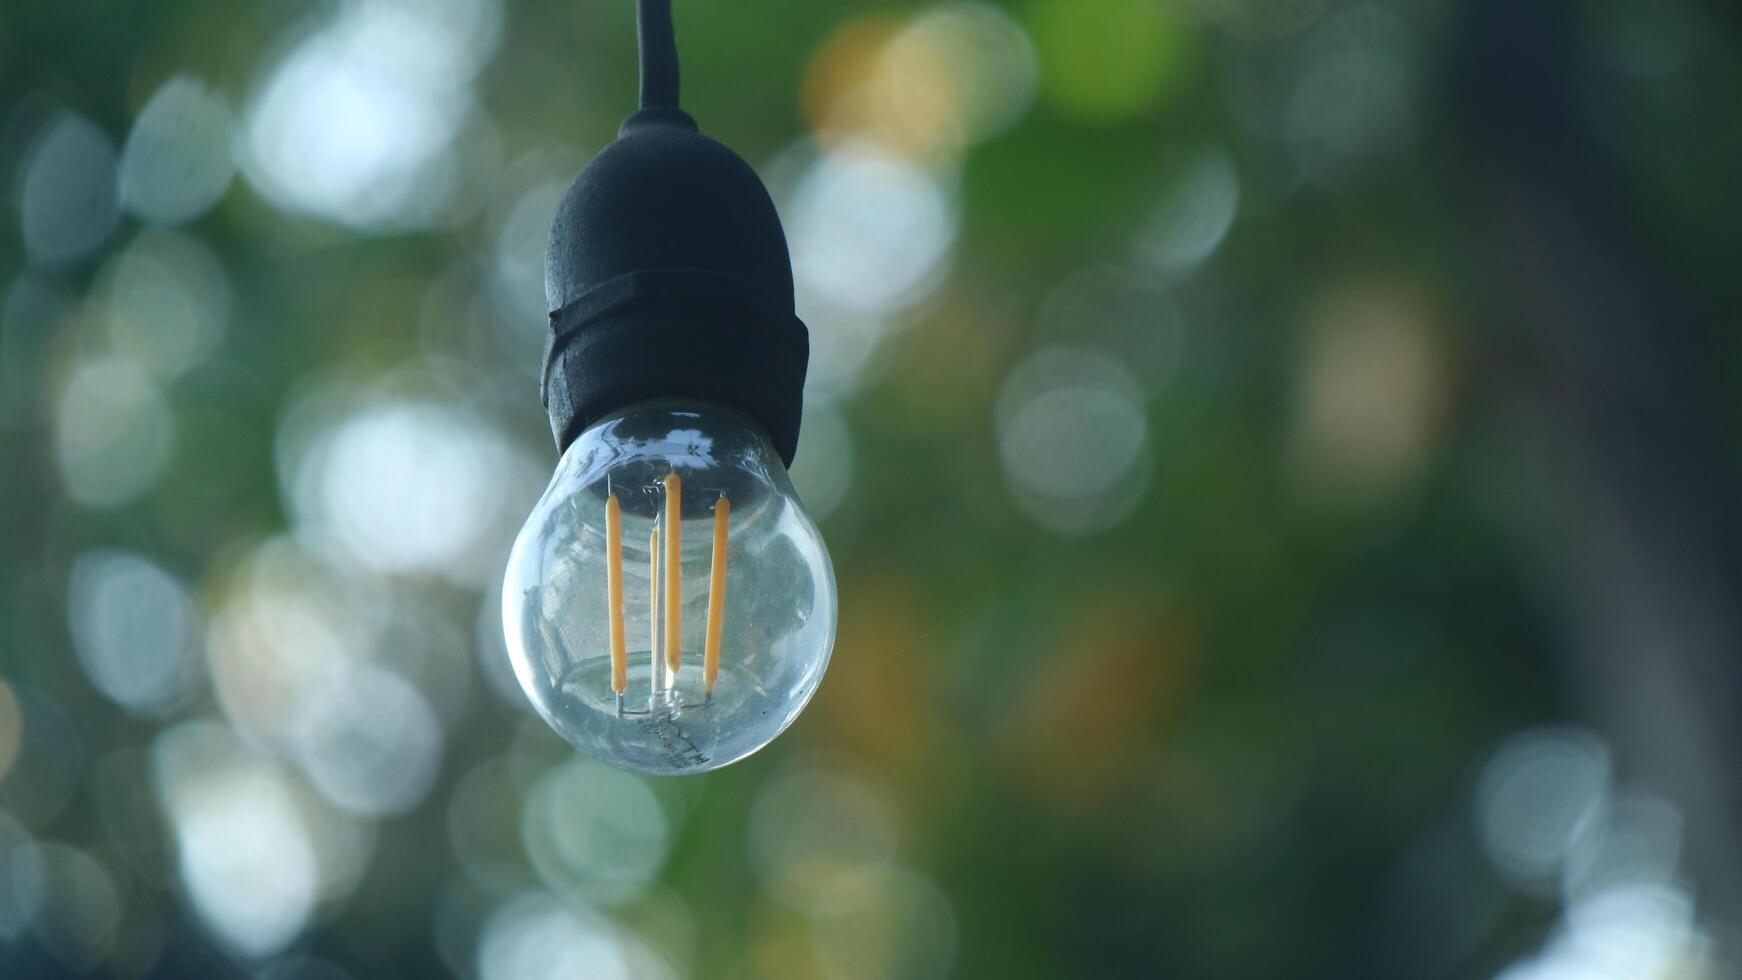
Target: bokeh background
[{"x": 1280, "y": 458}]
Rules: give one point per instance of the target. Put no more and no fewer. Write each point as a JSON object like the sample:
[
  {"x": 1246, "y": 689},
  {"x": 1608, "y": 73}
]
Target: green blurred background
[{"x": 1280, "y": 459}]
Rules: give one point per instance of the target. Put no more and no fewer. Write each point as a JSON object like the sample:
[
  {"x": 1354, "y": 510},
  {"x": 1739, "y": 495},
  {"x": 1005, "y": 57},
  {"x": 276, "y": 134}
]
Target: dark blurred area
[{"x": 1280, "y": 459}]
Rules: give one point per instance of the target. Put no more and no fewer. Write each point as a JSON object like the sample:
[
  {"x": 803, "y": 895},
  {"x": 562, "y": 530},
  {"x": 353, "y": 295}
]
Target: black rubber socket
[{"x": 668, "y": 277}]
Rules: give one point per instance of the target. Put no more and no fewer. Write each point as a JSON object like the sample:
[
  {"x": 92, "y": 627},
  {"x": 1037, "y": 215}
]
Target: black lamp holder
[{"x": 667, "y": 273}]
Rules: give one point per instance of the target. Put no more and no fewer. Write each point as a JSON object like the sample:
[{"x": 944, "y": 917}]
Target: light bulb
[{"x": 669, "y": 606}]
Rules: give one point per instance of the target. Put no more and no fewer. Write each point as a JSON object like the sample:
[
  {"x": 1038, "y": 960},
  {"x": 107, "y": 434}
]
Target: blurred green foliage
[{"x": 1203, "y": 426}]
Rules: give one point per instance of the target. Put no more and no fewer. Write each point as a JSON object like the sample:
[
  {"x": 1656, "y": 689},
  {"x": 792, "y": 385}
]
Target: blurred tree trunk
[{"x": 1628, "y": 376}]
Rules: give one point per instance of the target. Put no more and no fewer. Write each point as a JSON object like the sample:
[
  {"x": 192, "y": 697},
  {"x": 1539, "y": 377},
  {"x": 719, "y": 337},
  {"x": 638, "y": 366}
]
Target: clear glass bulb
[{"x": 669, "y": 606}]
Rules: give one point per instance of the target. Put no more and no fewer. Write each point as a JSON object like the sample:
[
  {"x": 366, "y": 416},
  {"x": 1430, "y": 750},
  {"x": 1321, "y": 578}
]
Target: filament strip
[
  {"x": 673, "y": 573},
  {"x": 653, "y": 611},
  {"x": 716, "y": 596},
  {"x": 614, "y": 592}
]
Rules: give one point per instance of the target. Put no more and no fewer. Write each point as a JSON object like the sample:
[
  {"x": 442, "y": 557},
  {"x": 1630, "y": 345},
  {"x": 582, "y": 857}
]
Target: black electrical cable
[{"x": 658, "y": 53}]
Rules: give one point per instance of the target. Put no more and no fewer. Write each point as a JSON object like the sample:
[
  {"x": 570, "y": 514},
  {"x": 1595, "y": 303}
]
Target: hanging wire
[{"x": 658, "y": 53}]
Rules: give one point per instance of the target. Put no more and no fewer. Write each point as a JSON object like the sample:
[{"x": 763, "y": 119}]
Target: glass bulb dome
[{"x": 669, "y": 606}]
